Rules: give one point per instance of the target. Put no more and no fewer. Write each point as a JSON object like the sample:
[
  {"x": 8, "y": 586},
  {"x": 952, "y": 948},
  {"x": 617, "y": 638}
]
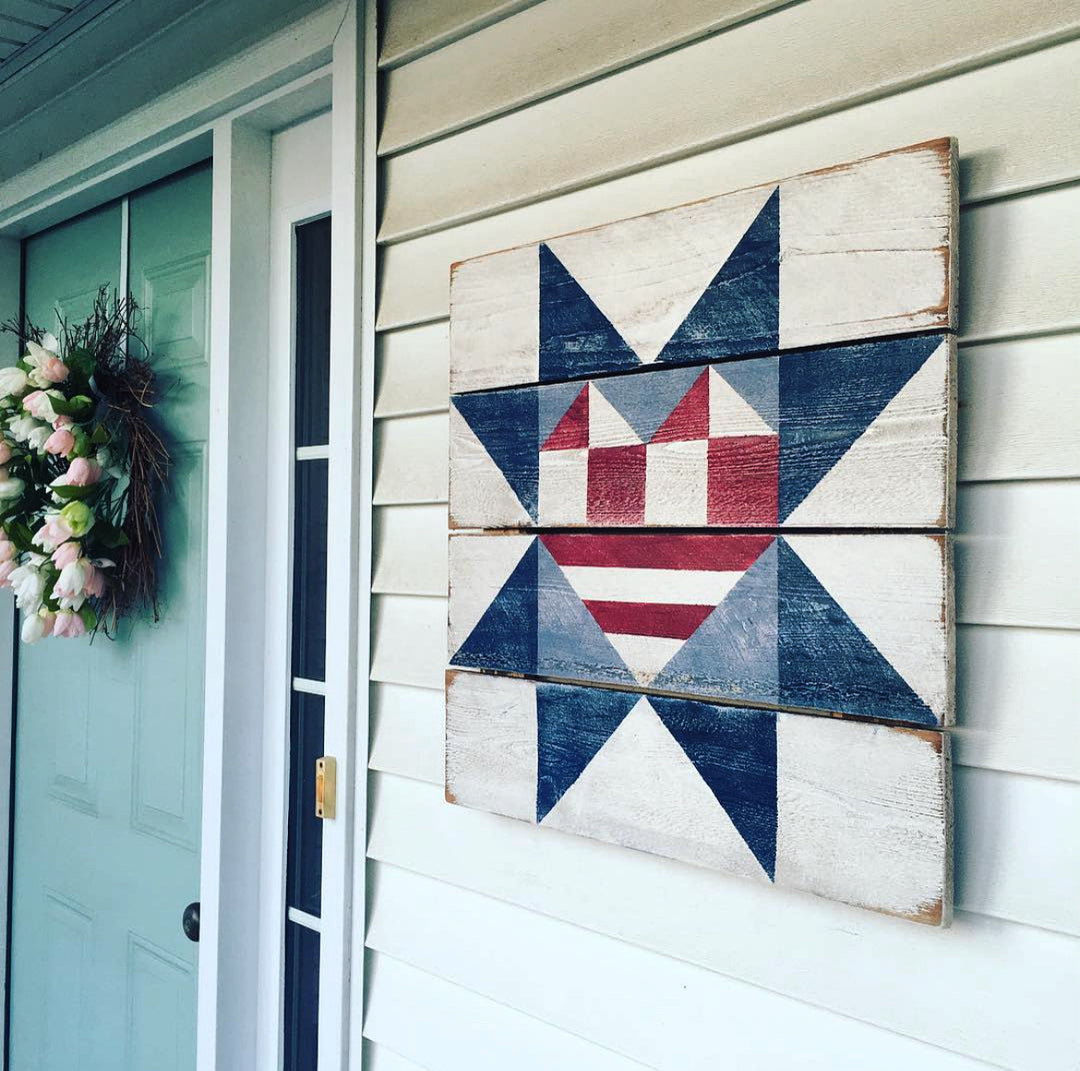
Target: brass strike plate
[{"x": 326, "y": 787}]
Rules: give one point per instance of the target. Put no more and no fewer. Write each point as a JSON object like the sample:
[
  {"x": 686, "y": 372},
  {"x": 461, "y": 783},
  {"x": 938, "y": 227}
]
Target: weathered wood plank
[
  {"x": 856, "y": 436},
  {"x": 856, "y": 251},
  {"x": 851, "y": 624},
  {"x": 726, "y": 88},
  {"x": 543, "y": 50},
  {"x": 850, "y": 811}
]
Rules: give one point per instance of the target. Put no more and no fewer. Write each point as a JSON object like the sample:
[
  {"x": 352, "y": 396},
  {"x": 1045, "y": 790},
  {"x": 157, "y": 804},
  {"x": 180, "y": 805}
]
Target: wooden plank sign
[
  {"x": 857, "y": 251},
  {"x": 849, "y": 810},
  {"x": 849, "y": 624},
  {"x": 854, "y": 436},
  {"x": 708, "y": 456}
]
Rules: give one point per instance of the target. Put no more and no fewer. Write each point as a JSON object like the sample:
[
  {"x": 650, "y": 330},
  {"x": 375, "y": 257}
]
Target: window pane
[
  {"x": 301, "y": 998},
  {"x": 313, "y": 333},
  {"x": 309, "y": 571},
  {"x": 304, "y": 881}
]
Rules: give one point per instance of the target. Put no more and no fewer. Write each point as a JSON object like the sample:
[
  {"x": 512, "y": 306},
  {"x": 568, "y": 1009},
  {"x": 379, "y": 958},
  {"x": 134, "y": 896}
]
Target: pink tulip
[
  {"x": 62, "y": 421},
  {"x": 94, "y": 585},
  {"x": 82, "y": 472},
  {"x": 6, "y": 569},
  {"x": 52, "y": 533},
  {"x": 34, "y": 401},
  {"x": 60, "y": 442},
  {"x": 5, "y": 452},
  {"x": 7, "y": 550},
  {"x": 53, "y": 370},
  {"x": 68, "y": 625},
  {"x": 66, "y": 553}
]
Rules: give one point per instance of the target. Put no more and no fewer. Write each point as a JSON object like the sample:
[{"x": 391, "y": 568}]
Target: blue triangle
[
  {"x": 505, "y": 636},
  {"x": 646, "y": 401},
  {"x": 758, "y": 382},
  {"x": 570, "y": 643},
  {"x": 826, "y": 662},
  {"x": 507, "y": 422},
  {"x": 735, "y": 752},
  {"x": 739, "y": 312},
  {"x": 828, "y": 398},
  {"x": 554, "y": 402},
  {"x": 572, "y": 725},
  {"x": 576, "y": 338},
  {"x": 733, "y": 653}
]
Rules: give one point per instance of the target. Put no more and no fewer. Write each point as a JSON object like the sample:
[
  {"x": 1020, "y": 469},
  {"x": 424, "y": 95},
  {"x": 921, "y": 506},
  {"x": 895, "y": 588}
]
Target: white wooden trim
[
  {"x": 365, "y": 131},
  {"x": 312, "y": 453},
  {"x": 302, "y": 918},
  {"x": 232, "y": 781},
  {"x": 296, "y": 197}
]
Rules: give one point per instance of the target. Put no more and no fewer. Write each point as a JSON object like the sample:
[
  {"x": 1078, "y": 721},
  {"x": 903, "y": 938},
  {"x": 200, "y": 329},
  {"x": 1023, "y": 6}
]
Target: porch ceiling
[{"x": 29, "y": 28}]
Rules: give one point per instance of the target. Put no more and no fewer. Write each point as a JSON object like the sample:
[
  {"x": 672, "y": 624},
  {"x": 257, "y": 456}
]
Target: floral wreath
[{"x": 82, "y": 467}]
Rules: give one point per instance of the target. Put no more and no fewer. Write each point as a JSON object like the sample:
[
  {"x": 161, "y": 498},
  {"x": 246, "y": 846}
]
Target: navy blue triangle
[
  {"x": 826, "y": 662},
  {"x": 576, "y": 338},
  {"x": 645, "y": 402},
  {"x": 507, "y": 422},
  {"x": 572, "y": 725},
  {"x": 733, "y": 651},
  {"x": 735, "y": 752},
  {"x": 828, "y": 398},
  {"x": 505, "y": 636},
  {"x": 569, "y": 641},
  {"x": 739, "y": 312}
]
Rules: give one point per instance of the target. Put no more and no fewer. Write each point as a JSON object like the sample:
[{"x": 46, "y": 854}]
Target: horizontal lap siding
[{"x": 560, "y": 940}]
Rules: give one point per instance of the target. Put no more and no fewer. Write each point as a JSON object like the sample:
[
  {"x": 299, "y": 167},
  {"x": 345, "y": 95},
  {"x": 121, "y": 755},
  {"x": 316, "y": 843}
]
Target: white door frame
[{"x": 229, "y": 113}]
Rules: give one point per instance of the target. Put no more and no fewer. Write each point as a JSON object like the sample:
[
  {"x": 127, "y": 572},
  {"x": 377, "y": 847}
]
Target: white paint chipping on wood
[
  {"x": 788, "y": 942},
  {"x": 589, "y": 985},
  {"x": 864, "y": 251},
  {"x": 1029, "y": 139},
  {"x": 543, "y": 50},
  {"x": 728, "y": 87},
  {"x": 863, "y": 810}
]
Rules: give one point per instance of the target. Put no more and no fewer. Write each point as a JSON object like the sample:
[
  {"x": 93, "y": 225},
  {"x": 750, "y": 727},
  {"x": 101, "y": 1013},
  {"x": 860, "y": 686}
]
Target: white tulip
[
  {"x": 33, "y": 628},
  {"x": 38, "y": 437},
  {"x": 28, "y": 584},
  {"x": 13, "y": 381},
  {"x": 11, "y": 486},
  {"x": 22, "y": 426}
]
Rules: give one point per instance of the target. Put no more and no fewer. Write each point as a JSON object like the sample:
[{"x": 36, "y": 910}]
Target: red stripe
[
  {"x": 719, "y": 553},
  {"x": 673, "y": 620}
]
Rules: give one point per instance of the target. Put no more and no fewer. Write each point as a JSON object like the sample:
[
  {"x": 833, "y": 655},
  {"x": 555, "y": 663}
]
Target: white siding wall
[{"x": 495, "y": 945}]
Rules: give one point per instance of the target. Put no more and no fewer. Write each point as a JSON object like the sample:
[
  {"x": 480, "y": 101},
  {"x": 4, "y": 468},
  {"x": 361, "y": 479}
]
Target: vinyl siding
[{"x": 494, "y": 944}]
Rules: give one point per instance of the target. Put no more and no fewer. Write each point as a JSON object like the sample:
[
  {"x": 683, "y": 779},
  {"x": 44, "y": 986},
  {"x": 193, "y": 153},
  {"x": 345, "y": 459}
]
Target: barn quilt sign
[{"x": 701, "y": 480}]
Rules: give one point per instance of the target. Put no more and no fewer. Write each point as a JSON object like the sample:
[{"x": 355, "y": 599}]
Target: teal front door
[{"x": 108, "y": 735}]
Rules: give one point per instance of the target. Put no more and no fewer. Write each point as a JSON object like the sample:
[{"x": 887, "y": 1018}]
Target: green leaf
[
  {"x": 89, "y": 616},
  {"x": 101, "y": 435},
  {"x": 81, "y": 362},
  {"x": 108, "y": 535},
  {"x": 69, "y": 492},
  {"x": 79, "y": 405}
]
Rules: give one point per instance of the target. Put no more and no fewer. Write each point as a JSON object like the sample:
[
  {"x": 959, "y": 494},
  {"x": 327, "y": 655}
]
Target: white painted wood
[
  {"x": 996, "y": 855},
  {"x": 412, "y": 374},
  {"x": 947, "y": 989},
  {"x": 1020, "y": 409},
  {"x": 1016, "y": 694},
  {"x": 862, "y": 810},
  {"x": 380, "y": 1058},
  {"x": 410, "y": 550},
  {"x": 616, "y": 993},
  {"x": 766, "y": 73},
  {"x": 236, "y": 567},
  {"x": 299, "y": 190},
  {"x": 403, "y": 469},
  {"x": 413, "y": 27},
  {"x": 442, "y": 1026},
  {"x": 1015, "y": 554},
  {"x": 408, "y": 640},
  {"x": 181, "y": 115},
  {"x": 864, "y": 251},
  {"x": 542, "y": 51},
  {"x": 1031, "y": 138}
]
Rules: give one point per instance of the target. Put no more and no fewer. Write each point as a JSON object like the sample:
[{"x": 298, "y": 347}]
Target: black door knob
[{"x": 191, "y": 921}]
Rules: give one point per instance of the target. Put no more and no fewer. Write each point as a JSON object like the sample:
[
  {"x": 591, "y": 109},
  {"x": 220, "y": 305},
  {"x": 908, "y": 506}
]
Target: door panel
[{"x": 108, "y": 765}]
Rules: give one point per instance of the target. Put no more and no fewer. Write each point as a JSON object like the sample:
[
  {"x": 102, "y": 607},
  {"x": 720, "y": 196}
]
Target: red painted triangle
[
  {"x": 690, "y": 417},
  {"x": 572, "y": 431}
]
